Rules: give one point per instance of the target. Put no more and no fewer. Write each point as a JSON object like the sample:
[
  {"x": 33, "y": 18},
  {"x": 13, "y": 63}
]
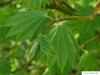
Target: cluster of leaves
[{"x": 49, "y": 37}]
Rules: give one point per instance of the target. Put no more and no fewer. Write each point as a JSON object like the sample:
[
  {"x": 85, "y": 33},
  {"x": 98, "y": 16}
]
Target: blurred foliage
[{"x": 49, "y": 37}]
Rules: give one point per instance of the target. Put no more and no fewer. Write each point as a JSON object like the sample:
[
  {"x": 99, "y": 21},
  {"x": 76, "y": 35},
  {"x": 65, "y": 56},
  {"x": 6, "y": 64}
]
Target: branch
[
  {"x": 71, "y": 18},
  {"x": 66, "y": 18}
]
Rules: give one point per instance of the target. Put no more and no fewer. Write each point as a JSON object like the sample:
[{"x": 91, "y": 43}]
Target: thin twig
[{"x": 71, "y": 18}]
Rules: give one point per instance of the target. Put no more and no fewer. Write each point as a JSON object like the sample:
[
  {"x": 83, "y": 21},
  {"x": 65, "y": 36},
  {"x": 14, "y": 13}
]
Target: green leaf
[
  {"x": 41, "y": 49},
  {"x": 84, "y": 8},
  {"x": 65, "y": 45},
  {"x": 32, "y": 51},
  {"x": 86, "y": 28},
  {"x": 97, "y": 23},
  {"x": 5, "y": 67},
  {"x": 3, "y": 32},
  {"x": 85, "y": 11},
  {"x": 6, "y": 12},
  {"x": 36, "y": 3},
  {"x": 87, "y": 62},
  {"x": 28, "y": 23},
  {"x": 54, "y": 70}
]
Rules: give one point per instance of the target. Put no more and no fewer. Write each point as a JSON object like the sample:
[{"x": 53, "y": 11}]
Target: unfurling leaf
[{"x": 41, "y": 49}]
